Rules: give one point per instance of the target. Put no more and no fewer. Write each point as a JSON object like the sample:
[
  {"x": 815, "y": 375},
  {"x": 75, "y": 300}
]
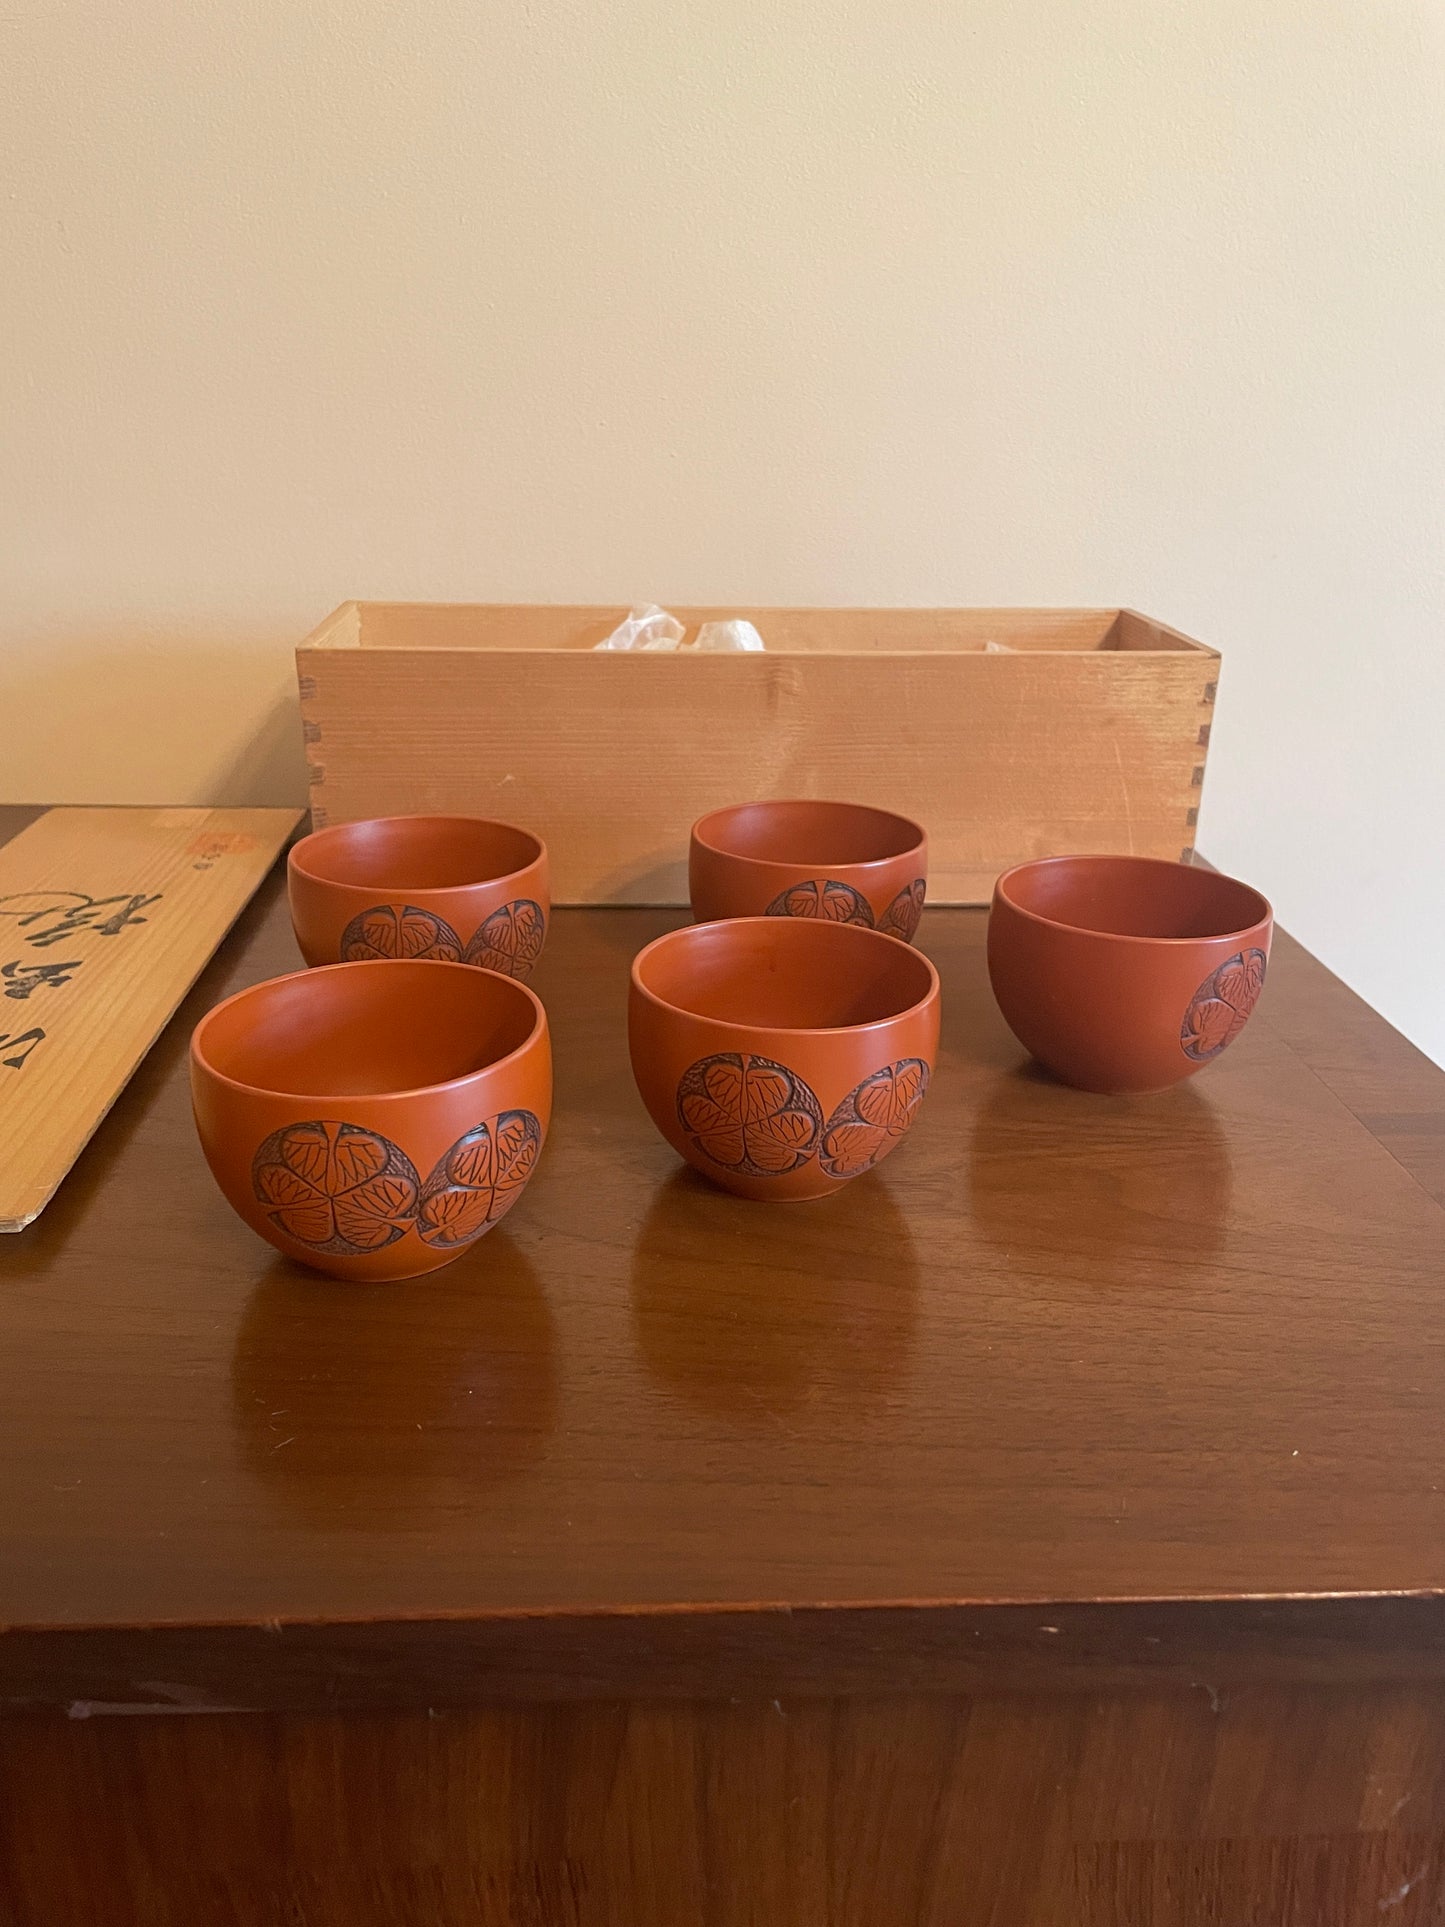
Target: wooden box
[{"x": 1009, "y": 733}]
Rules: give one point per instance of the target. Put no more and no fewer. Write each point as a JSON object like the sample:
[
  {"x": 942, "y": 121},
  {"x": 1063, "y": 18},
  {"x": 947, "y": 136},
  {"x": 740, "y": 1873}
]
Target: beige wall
[{"x": 768, "y": 299}]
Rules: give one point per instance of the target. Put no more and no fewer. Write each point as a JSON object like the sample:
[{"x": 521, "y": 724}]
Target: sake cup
[
  {"x": 824, "y": 862},
  {"x": 372, "y": 1120},
  {"x": 1125, "y": 973},
  {"x": 452, "y": 889},
  {"x": 780, "y": 1056}
]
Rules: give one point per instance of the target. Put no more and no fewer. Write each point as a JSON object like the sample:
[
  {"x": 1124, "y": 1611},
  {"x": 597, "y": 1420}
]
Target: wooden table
[{"x": 1050, "y": 1528}]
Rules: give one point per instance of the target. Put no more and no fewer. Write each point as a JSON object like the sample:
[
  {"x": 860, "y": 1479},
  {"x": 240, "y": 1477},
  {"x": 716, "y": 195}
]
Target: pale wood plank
[
  {"x": 107, "y": 917},
  {"x": 1002, "y": 756}
]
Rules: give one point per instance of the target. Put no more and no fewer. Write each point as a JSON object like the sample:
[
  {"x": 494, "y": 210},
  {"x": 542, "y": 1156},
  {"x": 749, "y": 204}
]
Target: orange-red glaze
[
  {"x": 449, "y": 889},
  {"x": 374, "y": 1119},
  {"x": 1125, "y": 973},
  {"x": 782, "y": 1057},
  {"x": 824, "y": 862}
]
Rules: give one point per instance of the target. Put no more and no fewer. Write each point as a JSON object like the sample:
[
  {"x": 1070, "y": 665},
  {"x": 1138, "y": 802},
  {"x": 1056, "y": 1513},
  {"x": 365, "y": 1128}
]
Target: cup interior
[
  {"x": 396, "y": 853},
  {"x": 818, "y": 835},
  {"x": 366, "y": 1029},
  {"x": 1129, "y": 896},
  {"x": 781, "y": 973}
]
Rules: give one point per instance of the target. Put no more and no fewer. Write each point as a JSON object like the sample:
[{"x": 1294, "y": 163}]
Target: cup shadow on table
[
  {"x": 353, "y": 1402},
  {"x": 1133, "y": 1189},
  {"x": 755, "y": 1310}
]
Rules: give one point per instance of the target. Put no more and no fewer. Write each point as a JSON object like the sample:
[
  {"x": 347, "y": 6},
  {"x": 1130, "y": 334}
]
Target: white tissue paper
[
  {"x": 648, "y": 627},
  {"x": 728, "y": 635}
]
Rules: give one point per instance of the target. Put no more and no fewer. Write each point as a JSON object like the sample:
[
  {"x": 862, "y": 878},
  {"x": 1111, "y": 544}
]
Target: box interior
[{"x": 433, "y": 625}]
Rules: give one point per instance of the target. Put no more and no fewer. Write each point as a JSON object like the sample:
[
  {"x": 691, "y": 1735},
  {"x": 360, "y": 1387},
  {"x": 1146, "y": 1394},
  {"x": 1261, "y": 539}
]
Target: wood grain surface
[
  {"x": 1263, "y": 1807},
  {"x": 1061, "y": 1348},
  {"x": 1047, "y": 1529},
  {"x": 106, "y": 917}
]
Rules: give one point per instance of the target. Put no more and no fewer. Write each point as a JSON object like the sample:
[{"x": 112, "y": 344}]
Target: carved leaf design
[
  {"x": 375, "y": 1213},
  {"x": 1239, "y": 981},
  {"x": 453, "y": 1216},
  {"x": 479, "y": 1179},
  {"x": 871, "y": 1119},
  {"x": 277, "y": 1186},
  {"x": 825, "y": 898},
  {"x": 901, "y": 918},
  {"x": 335, "y": 1186},
  {"x": 309, "y": 1224},
  {"x": 518, "y": 1146},
  {"x": 749, "y": 1113},
  {"x": 510, "y": 940},
  {"x": 306, "y": 1152},
  {"x": 1220, "y": 1008},
  {"x": 399, "y": 930},
  {"x": 850, "y": 1147},
  {"x": 355, "y": 1157}
]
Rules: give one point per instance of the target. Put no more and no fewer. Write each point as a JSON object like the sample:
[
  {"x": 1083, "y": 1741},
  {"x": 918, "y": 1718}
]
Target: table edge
[{"x": 746, "y": 1652}]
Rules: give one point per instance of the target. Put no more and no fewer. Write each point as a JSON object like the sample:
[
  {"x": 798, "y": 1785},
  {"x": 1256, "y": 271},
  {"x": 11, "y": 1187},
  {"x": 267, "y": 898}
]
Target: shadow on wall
[{"x": 147, "y": 714}]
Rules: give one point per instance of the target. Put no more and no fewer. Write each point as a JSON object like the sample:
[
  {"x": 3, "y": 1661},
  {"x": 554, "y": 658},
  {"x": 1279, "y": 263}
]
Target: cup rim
[
  {"x": 327, "y": 831},
  {"x": 1260, "y": 923},
  {"x": 919, "y": 836},
  {"x": 851, "y": 933},
  {"x": 537, "y": 1031}
]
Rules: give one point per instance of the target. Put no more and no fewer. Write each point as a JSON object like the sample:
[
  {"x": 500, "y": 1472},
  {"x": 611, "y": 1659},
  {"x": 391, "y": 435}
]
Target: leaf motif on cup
[
  {"x": 1220, "y": 1008},
  {"x": 871, "y": 1119},
  {"x": 823, "y": 898},
  {"x": 479, "y": 1179},
  {"x": 902, "y": 916},
  {"x": 336, "y": 1187},
  {"x": 749, "y": 1114},
  {"x": 511, "y": 939},
  {"x": 399, "y": 930}
]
